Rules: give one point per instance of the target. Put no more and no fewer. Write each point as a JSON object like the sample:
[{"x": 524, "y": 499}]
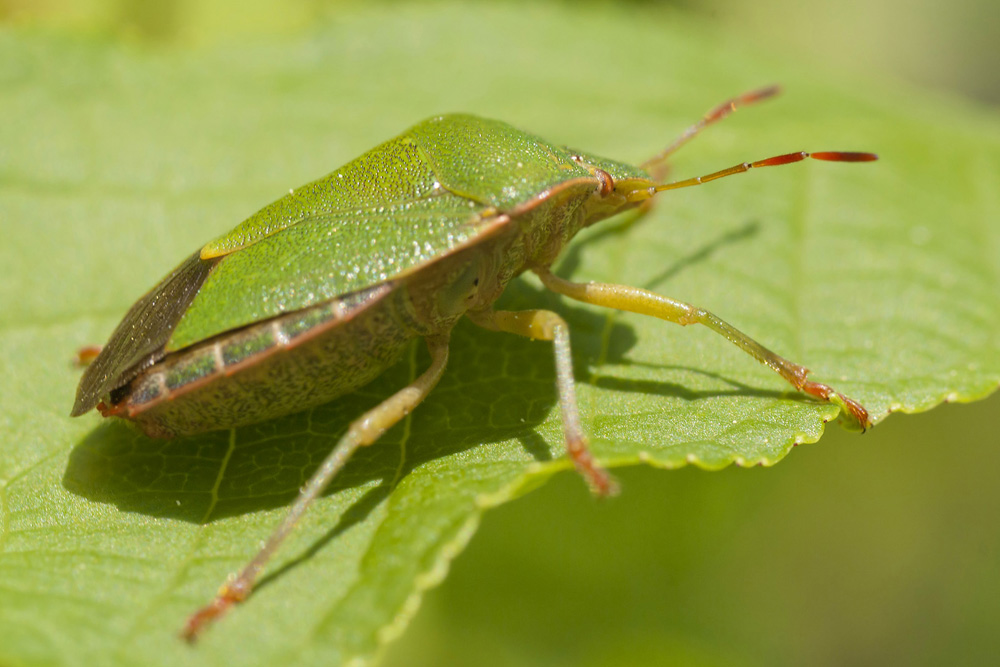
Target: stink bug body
[{"x": 317, "y": 294}]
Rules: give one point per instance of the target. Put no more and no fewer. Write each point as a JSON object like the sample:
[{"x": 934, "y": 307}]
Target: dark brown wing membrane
[{"x": 139, "y": 340}]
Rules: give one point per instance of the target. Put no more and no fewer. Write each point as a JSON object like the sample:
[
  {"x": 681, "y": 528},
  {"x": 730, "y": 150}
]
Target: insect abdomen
[{"x": 268, "y": 369}]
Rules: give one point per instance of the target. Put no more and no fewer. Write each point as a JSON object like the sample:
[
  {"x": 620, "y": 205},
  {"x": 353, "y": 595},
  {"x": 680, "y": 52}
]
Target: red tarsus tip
[
  {"x": 86, "y": 354},
  {"x": 602, "y": 483},
  {"x": 760, "y": 94},
  {"x": 110, "y": 411},
  {"x": 199, "y": 620},
  {"x": 226, "y": 598},
  {"x": 824, "y": 392},
  {"x": 857, "y": 411}
]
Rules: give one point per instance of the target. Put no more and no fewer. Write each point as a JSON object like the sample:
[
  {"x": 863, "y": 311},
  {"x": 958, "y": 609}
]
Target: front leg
[{"x": 644, "y": 302}]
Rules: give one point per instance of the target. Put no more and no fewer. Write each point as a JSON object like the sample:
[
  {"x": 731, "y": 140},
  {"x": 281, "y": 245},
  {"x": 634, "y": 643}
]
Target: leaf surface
[{"x": 118, "y": 161}]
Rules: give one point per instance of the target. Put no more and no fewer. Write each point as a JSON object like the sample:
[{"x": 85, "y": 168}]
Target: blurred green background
[
  {"x": 946, "y": 45},
  {"x": 857, "y": 550}
]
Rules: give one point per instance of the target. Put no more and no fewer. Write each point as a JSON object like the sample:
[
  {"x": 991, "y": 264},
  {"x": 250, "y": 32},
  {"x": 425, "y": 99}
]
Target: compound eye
[{"x": 607, "y": 183}]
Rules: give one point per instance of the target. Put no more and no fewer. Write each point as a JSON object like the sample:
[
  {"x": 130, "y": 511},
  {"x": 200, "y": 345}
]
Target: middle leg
[{"x": 546, "y": 325}]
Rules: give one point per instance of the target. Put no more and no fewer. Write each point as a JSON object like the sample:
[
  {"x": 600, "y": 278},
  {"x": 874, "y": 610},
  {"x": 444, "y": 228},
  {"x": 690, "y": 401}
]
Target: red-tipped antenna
[
  {"x": 776, "y": 161},
  {"x": 718, "y": 113}
]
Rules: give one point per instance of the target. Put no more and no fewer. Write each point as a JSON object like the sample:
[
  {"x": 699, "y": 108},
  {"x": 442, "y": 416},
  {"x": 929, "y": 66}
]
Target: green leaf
[{"x": 117, "y": 161}]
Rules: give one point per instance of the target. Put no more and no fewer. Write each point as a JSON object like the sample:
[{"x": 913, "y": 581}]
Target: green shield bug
[{"x": 318, "y": 293}]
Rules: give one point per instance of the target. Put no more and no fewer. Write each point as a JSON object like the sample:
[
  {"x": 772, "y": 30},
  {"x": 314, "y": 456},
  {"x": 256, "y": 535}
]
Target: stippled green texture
[
  {"x": 491, "y": 162},
  {"x": 392, "y": 210}
]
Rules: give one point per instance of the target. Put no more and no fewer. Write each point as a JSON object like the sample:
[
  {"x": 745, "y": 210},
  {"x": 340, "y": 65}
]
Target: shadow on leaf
[
  {"x": 572, "y": 259},
  {"x": 497, "y": 388}
]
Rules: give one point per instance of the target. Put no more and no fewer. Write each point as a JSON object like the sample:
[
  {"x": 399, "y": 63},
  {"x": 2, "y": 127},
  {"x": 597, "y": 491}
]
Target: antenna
[{"x": 716, "y": 114}]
